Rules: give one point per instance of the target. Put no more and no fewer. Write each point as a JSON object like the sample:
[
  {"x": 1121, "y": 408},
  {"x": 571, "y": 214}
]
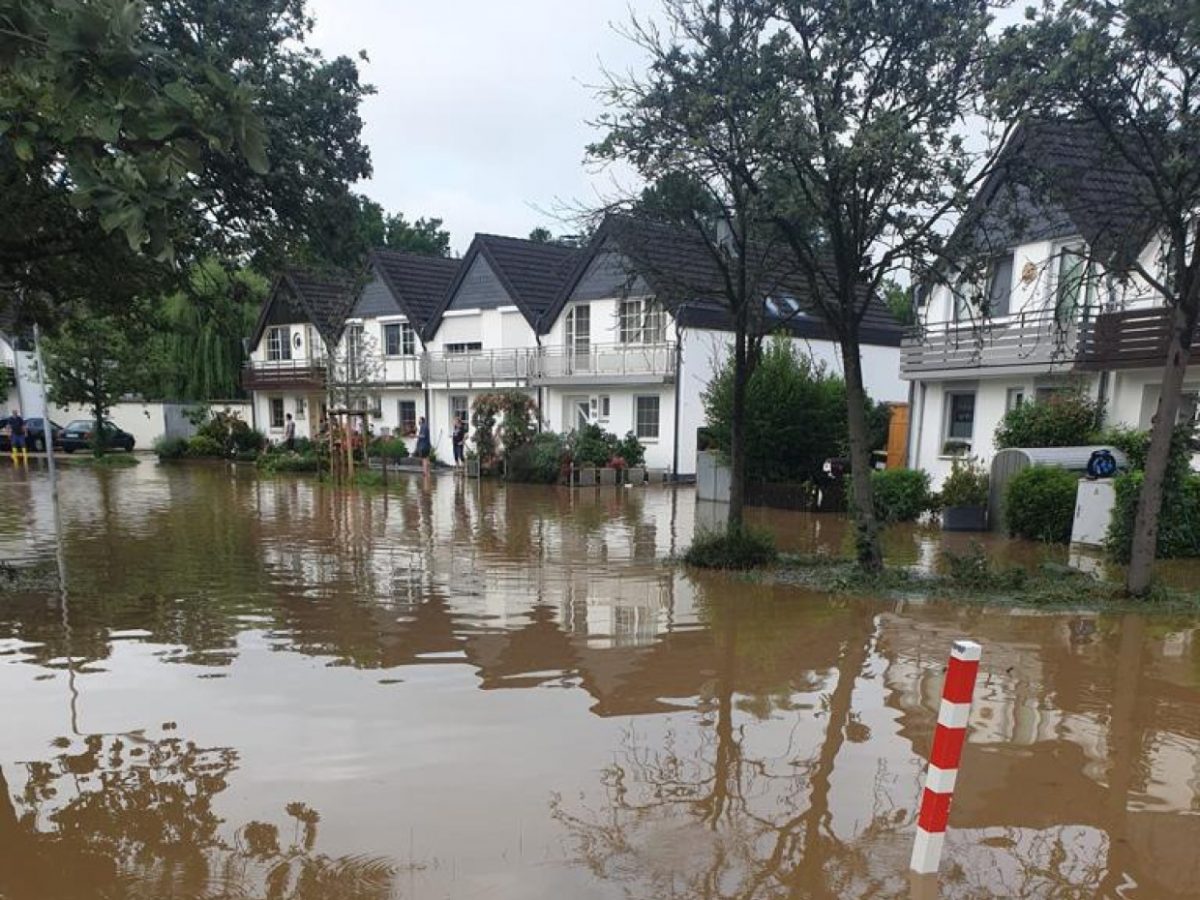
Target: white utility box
[{"x": 1094, "y": 501}]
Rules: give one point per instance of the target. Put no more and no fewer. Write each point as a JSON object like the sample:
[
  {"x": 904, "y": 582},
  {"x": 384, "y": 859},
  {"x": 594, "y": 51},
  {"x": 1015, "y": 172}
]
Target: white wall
[
  {"x": 145, "y": 421},
  {"x": 621, "y": 419}
]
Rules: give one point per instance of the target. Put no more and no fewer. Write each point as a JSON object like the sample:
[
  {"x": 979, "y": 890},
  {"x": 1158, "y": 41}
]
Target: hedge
[
  {"x": 1039, "y": 504},
  {"x": 900, "y": 495}
]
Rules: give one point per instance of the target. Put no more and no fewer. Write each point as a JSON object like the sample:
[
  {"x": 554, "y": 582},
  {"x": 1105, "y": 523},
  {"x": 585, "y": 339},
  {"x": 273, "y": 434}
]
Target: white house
[
  {"x": 597, "y": 335},
  {"x": 484, "y": 336},
  {"x": 286, "y": 373},
  {"x": 641, "y": 328},
  {"x": 1027, "y": 315},
  {"x": 384, "y": 337}
]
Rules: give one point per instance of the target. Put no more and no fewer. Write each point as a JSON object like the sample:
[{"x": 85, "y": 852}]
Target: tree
[
  {"x": 173, "y": 128},
  {"x": 200, "y": 341},
  {"x": 1130, "y": 72},
  {"x": 395, "y": 232},
  {"x": 795, "y": 415},
  {"x": 700, "y": 118},
  {"x": 96, "y": 359},
  {"x": 867, "y": 165},
  {"x": 541, "y": 235}
]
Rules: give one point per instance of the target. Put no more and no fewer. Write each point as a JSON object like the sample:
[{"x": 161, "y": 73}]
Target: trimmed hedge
[
  {"x": 1179, "y": 518},
  {"x": 900, "y": 495},
  {"x": 1039, "y": 504},
  {"x": 537, "y": 462}
]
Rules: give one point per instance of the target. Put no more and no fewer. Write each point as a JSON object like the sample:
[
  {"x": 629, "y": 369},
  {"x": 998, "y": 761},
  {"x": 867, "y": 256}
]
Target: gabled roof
[
  {"x": 417, "y": 283},
  {"x": 322, "y": 299},
  {"x": 532, "y": 273},
  {"x": 1055, "y": 179},
  {"x": 676, "y": 262}
]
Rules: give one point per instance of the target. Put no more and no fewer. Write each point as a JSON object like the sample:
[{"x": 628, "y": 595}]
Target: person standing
[
  {"x": 289, "y": 433},
  {"x": 424, "y": 448},
  {"x": 459, "y": 438},
  {"x": 16, "y": 436}
]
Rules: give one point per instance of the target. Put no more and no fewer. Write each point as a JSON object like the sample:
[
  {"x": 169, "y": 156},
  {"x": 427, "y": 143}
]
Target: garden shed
[{"x": 1007, "y": 463}]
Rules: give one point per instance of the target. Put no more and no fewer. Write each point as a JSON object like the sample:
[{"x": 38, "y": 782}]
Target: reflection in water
[{"x": 505, "y": 692}]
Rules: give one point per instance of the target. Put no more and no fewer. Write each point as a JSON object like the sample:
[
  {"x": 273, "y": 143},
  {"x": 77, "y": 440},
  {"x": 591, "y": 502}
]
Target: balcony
[
  {"x": 1128, "y": 339},
  {"x": 1026, "y": 342},
  {"x": 284, "y": 374},
  {"x": 481, "y": 367},
  {"x": 606, "y": 364}
]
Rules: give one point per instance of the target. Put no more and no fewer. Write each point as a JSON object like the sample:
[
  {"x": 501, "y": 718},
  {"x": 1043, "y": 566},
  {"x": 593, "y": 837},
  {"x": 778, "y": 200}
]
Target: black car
[
  {"x": 78, "y": 436},
  {"x": 35, "y": 434}
]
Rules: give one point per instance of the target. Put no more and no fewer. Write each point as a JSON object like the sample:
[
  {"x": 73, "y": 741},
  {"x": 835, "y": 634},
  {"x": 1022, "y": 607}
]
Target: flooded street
[{"x": 273, "y": 689}]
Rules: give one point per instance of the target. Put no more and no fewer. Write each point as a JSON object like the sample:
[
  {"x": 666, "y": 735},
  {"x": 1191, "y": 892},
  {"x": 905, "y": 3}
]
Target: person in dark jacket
[
  {"x": 460, "y": 440},
  {"x": 424, "y": 448},
  {"x": 16, "y": 432}
]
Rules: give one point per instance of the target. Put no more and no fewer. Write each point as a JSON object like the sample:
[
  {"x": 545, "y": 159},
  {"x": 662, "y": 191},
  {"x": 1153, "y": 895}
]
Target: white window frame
[
  {"x": 279, "y": 343},
  {"x": 637, "y": 417},
  {"x": 641, "y": 320},
  {"x": 466, "y": 407},
  {"x": 948, "y": 421},
  {"x": 463, "y": 348},
  {"x": 410, "y": 429},
  {"x": 406, "y": 340},
  {"x": 605, "y": 407},
  {"x": 1015, "y": 397},
  {"x": 271, "y": 409}
]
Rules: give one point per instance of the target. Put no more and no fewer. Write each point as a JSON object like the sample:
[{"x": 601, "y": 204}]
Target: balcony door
[{"x": 578, "y": 338}]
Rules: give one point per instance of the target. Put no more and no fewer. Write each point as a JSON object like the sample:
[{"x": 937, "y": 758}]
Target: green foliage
[
  {"x": 273, "y": 463},
  {"x": 738, "y": 547},
  {"x": 200, "y": 338},
  {"x": 973, "y": 571},
  {"x": 1179, "y": 517},
  {"x": 966, "y": 485},
  {"x": 517, "y": 414},
  {"x": 900, "y": 495},
  {"x": 390, "y": 448},
  {"x": 202, "y": 446},
  {"x": 1039, "y": 504},
  {"x": 630, "y": 450},
  {"x": 95, "y": 359},
  {"x": 1063, "y": 420},
  {"x": 592, "y": 446},
  {"x": 1133, "y": 442},
  {"x": 170, "y": 447},
  {"x": 539, "y": 461},
  {"x": 228, "y": 432},
  {"x": 394, "y": 232},
  {"x": 795, "y": 415}
]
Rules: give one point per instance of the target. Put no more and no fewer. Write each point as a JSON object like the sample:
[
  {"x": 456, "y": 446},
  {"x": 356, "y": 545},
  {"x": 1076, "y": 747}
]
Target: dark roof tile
[{"x": 418, "y": 283}]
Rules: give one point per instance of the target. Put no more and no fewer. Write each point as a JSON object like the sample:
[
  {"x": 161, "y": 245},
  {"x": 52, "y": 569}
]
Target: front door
[{"x": 576, "y": 413}]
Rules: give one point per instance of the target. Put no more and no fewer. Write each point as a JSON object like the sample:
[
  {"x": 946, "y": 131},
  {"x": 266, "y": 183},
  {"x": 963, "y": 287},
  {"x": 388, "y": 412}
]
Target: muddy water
[{"x": 270, "y": 689}]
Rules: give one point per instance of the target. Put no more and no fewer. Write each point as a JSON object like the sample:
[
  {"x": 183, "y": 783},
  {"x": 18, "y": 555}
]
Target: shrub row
[{"x": 734, "y": 548}]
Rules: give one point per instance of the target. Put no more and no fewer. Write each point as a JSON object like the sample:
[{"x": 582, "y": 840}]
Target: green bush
[
  {"x": 229, "y": 432},
  {"x": 170, "y": 447},
  {"x": 630, "y": 449},
  {"x": 539, "y": 461},
  {"x": 966, "y": 485},
  {"x": 389, "y": 448},
  {"x": 1063, "y": 420},
  {"x": 272, "y": 463},
  {"x": 1039, "y": 504},
  {"x": 901, "y": 495},
  {"x": 795, "y": 415},
  {"x": 1178, "y": 522},
  {"x": 1179, "y": 518},
  {"x": 734, "y": 548},
  {"x": 591, "y": 445},
  {"x": 201, "y": 445}
]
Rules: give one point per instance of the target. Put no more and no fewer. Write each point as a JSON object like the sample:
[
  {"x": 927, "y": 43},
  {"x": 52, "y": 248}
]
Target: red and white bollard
[{"x": 948, "y": 740}]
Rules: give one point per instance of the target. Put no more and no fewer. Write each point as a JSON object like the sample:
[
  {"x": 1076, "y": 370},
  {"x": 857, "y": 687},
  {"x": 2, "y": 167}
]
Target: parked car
[
  {"x": 35, "y": 435},
  {"x": 78, "y": 436}
]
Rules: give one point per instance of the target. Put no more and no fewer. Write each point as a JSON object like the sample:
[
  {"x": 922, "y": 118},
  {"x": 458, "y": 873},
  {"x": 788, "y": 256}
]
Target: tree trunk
[
  {"x": 98, "y": 442},
  {"x": 737, "y": 430},
  {"x": 1158, "y": 457},
  {"x": 862, "y": 507}
]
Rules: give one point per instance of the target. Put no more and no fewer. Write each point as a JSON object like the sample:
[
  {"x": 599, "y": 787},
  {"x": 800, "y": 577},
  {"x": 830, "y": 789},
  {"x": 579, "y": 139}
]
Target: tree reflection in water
[
  {"x": 129, "y": 817},
  {"x": 719, "y": 819}
]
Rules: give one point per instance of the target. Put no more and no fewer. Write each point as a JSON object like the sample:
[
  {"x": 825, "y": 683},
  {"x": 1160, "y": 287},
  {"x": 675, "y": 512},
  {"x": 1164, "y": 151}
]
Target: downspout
[
  {"x": 678, "y": 393},
  {"x": 912, "y": 406},
  {"x": 915, "y": 452}
]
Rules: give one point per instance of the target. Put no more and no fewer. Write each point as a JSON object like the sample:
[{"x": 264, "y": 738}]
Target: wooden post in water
[{"x": 948, "y": 740}]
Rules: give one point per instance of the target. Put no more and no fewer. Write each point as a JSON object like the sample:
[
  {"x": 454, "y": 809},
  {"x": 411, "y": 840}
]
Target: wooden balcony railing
[
  {"x": 1128, "y": 339},
  {"x": 265, "y": 375}
]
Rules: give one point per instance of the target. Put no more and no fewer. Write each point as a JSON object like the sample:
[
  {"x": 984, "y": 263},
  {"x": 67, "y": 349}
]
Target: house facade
[
  {"x": 1031, "y": 314},
  {"x": 593, "y": 335}
]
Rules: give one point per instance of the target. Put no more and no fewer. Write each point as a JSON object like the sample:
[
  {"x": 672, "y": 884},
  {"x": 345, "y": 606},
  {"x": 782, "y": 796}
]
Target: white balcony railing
[
  {"x": 481, "y": 366},
  {"x": 600, "y": 361}
]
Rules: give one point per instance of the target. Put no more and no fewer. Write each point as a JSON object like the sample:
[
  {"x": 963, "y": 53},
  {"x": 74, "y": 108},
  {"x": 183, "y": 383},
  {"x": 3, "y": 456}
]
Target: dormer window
[
  {"x": 999, "y": 288},
  {"x": 279, "y": 343},
  {"x": 399, "y": 339},
  {"x": 1074, "y": 282}
]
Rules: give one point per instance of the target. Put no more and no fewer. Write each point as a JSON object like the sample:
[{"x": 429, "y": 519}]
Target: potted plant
[
  {"x": 964, "y": 496},
  {"x": 472, "y": 461}
]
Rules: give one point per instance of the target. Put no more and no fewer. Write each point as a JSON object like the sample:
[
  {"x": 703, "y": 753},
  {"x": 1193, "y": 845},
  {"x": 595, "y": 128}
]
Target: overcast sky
[{"x": 482, "y": 105}]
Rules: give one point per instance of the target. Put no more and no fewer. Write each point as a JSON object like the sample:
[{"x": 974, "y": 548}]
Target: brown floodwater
[{"x": 274, "y": 689}]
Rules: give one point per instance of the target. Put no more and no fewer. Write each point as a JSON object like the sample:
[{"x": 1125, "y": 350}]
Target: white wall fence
[{"x": 150, "y": 420}]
